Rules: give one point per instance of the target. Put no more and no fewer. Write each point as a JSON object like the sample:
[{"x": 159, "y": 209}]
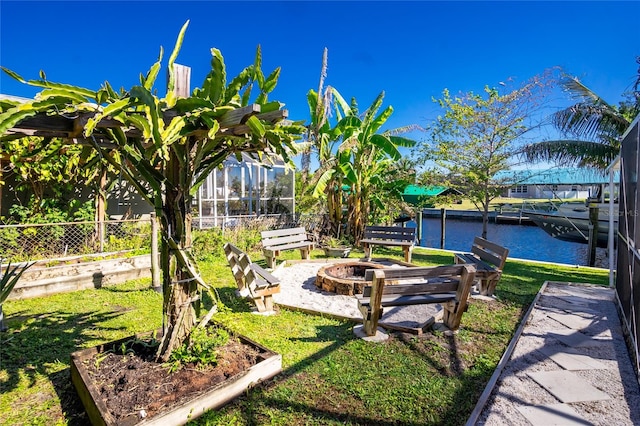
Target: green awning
[{"x": 416, "y": 194}]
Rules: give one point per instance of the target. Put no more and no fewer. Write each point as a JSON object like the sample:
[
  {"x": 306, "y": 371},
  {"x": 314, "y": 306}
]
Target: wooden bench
[
  {"x": 253, "y": 281},
  {"x": 447, "y": 285},
  {"x": 273, "y": 242},
  {"x": 489, "y": 259},
  {"x": 404, "y": 237}
]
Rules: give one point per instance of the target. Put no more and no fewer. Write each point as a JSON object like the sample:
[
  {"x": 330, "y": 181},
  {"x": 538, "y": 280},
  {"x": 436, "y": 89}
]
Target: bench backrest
[
  {"x": 246, "y": 273},
  {"x": 395, "y": 233},
  {"x": 278, "y": 237},
  {"x": 450, "y": 280},
  {"x": 489, "y": 252},
  {"x": 239, "y": 272}
]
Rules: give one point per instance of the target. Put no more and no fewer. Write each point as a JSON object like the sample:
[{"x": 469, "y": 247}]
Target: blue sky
[{"x": 411, "y": 50}]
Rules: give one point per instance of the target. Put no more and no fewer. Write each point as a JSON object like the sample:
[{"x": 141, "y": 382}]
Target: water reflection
[{"x": 523, "y": 241}]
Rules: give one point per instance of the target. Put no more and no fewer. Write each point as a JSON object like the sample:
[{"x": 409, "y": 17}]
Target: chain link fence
[
  {"x": 315, "y": 224},
  {"x": 55, "y": 240}
]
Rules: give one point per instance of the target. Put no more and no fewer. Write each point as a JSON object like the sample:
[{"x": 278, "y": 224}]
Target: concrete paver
[
  {"x": 567, "y": 386},
  {"x": 552, "y": 415},
  {"x": 576, "y": 322},
  {"x": 573, "y": 338},
  {"x": 571, "y": 360}
]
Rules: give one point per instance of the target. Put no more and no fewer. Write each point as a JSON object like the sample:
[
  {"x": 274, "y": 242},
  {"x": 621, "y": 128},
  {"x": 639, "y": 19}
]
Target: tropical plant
[
  {"x": 50, "y": 171},
  {"x": 593, "y": 128},
  {"x": 355, "y": 160},
  {"x": 322, "y": 138},
  {"x": 165, "y": 147},
  {"x": 367, "y": 159},
  {"x": 476, "y": 137},
  {"x": 8, "y": 281}
]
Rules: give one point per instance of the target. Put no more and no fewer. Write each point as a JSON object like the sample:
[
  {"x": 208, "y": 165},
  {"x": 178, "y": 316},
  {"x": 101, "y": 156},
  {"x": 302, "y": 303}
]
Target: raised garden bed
[
  {"x": 119, "y": 386},
  {"x": 51, "y": 277}
]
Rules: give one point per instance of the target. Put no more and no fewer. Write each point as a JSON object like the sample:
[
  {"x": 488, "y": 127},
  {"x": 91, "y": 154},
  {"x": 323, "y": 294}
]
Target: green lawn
[{"x": 330, "y": 376}]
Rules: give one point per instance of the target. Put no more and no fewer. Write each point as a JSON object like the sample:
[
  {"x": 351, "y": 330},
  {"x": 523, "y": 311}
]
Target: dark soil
[{"x": 134, "y": 386}]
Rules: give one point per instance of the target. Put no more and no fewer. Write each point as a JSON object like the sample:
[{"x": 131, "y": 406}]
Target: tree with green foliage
[
  {"x": 367, "y": 159},
  {"x": 45, "y": 174},
  {"x": 356, "y": 159},
  {"x": 476, "y": 137},
  {"x": 593, "y": 128},
  {"x": 165, "y": 147},
  {"x": 322, "y": 138}
]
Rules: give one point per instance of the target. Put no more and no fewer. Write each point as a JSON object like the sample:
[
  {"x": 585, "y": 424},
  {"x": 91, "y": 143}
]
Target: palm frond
[
  {"x": 589, "y": 121},
  {"x": 572, "y": 152},
  {"x": 578, "y": 91}
]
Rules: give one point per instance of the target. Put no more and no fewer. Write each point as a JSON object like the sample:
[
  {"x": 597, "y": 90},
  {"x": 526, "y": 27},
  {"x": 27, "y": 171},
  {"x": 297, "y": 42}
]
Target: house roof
[
  {"x": 556, "y": 176},
  {"x": 430, "y": 191},
  {"x": 414, "y": 194}
]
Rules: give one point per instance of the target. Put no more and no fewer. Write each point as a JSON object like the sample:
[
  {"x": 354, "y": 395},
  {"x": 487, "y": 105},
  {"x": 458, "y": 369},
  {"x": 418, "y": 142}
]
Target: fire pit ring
[{"x": 344, "y": 278}]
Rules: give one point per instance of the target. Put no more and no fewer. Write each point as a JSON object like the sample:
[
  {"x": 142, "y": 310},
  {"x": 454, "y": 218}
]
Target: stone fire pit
[{"x": 346, "y": 279}]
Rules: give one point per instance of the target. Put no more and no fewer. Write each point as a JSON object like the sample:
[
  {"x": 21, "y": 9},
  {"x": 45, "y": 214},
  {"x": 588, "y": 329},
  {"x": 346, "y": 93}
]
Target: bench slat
[
  {"x": 283, "y": 232},
  {"x": 491, "y": 246},
  {"x": 302, "y": 244},
  {"x": 434, "y": 286},
  {"x": 415, "y": 272},
  {"x": 482, "y": 267},
  {"x": 387, "y": 242},
  {"x": 411, "y": 299},
  {"x": 278, "y": 241},
  {"x": 486, "y": 256}
]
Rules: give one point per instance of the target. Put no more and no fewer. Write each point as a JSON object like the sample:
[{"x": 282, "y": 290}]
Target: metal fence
[
  {"x": 55, "y": 240},
  {"x": 315, "y": 224}
]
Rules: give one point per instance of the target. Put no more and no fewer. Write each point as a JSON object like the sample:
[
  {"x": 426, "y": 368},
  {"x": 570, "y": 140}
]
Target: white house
[{"x": 563, "y": 183}]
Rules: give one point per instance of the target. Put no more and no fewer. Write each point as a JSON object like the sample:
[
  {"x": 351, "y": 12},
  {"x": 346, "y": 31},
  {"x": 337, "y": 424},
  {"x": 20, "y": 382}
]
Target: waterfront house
[{"x": 554, "y": 183}]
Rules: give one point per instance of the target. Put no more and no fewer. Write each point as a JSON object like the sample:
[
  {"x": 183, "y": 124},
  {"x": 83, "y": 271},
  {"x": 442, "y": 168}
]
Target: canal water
[{"x": 523, "y": 241}]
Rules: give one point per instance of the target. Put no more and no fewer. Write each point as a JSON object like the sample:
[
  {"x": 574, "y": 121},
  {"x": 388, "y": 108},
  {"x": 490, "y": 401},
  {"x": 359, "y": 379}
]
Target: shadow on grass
[
  {"x": 34, "y": 345},
  {"x": 264, "y": 399}
]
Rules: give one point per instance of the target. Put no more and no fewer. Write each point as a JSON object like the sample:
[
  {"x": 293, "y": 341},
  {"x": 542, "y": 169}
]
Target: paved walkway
[{"x": 569, "y": 366}]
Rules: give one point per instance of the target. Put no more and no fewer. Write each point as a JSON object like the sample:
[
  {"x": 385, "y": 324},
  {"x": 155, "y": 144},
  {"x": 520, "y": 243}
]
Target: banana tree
[
  {"x": 327, "y": 180},
  {"x": 165, "y": 147},
  {"x": 367, "y": 160}
]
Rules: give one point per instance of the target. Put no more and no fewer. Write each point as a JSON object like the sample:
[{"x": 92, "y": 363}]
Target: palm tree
[{"x": 593, "y": 126}]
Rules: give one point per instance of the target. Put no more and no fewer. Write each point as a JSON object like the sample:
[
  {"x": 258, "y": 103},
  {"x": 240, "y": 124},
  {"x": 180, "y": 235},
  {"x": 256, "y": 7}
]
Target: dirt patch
[{"x": 134, "y": 386}]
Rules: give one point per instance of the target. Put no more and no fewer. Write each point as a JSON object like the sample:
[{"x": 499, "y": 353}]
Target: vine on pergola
[{"x": 165, "y": 147}]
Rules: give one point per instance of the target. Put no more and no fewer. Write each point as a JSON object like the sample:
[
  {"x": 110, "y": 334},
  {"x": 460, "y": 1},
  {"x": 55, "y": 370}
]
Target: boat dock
[{"x": 505, "y": 217}]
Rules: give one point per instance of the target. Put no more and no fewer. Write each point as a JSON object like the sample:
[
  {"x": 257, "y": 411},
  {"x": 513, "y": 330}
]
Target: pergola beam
[{"x": 43, "y": 125}]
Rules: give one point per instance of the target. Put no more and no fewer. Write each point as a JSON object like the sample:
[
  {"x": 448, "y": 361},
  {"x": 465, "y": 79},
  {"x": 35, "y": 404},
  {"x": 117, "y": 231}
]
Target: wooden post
[
  {"x": 593, "y": 233},
  {"x": 182, "y": 75},
  {"x": 155, "y": 253},
  {"x": 443, "y": 225},
  {"x": 419, "y": 226},
  {"x": 101, "y": 202},
  {"x": 375, "y": 303}
]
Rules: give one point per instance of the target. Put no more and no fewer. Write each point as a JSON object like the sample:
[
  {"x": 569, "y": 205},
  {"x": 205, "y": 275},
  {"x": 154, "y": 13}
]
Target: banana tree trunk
[
  {"x": 334, "y": 207},
  {"x": 357, "y": 215}
]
